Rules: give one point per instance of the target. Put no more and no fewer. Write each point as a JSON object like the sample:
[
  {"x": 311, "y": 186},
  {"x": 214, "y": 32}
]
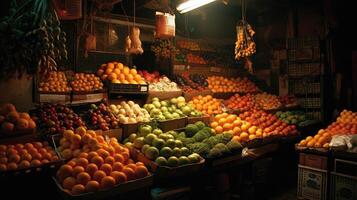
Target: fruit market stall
[{"x": 121, "y": 110}]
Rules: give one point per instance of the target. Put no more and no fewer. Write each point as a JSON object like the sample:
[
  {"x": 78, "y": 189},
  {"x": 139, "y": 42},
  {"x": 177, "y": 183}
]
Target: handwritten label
[
  {"x": 215, "y": 69},
  {"x": 52, "y": 98},
  {"x": 143, "y": 88},
  {"x": 179, "y": 67}
]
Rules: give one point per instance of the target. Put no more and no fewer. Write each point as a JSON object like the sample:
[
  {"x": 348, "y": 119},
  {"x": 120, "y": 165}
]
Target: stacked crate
[
  {"x": 313, "y": 176},
  {"x": 305, "y": 71}
]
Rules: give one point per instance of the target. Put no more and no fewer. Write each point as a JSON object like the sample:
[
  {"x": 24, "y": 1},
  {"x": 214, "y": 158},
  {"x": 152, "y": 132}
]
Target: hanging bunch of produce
[
  {"x": 245, "y": 45},
  {"x": 31, "y": 38},
  {"x": 163, "y": 48}
]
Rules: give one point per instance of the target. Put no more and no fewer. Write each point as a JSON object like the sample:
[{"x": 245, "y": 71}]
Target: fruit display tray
[
  {"x": 129, "y": 129},
  {"x": 116, "y": 191},
  {"x": 166, "y": 172},
  {"x": 225, "y": 160},
  {"x": 253, "y": 143},
  {"x": 173, "y": 124},
  {"x": 48, "y": 168},
  {"x": 189, "y": 95},
  {"x": 17, "y": 133},
  {"x": 53, "y": 97},
  {"x": 117, "y": 88},
  {"x": 116, "y": 133},
  {"x": 163, "y": 95},
  {"x": 206, "y": 119},
  {"x": 317, "y": 151},
  {"x": 89, "y": 97}
]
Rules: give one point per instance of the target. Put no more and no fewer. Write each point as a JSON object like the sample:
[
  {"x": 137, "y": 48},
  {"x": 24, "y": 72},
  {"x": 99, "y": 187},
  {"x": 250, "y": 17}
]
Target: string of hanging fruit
[
  {"x": 245, "y": 45},
  {"x": 31, "y": 39}
]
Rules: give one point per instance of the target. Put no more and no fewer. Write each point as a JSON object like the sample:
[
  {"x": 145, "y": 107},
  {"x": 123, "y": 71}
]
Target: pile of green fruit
[
  {"x": 292, "y": 117},
  {"x": 171, "y": 109},
  {"x": 200, "y": 139},
  {"x": 161, "y": 147}
]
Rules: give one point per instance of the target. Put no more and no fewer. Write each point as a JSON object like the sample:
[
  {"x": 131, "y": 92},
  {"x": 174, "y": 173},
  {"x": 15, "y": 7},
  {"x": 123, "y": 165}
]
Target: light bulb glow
[{"x": 192, "y": 4}]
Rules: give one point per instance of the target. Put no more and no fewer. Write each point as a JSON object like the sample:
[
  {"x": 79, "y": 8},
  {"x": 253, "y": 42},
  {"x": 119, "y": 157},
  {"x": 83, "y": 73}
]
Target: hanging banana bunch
[
  {"x": 31, "y": 39},
  {"x": 245, "y": 45}
]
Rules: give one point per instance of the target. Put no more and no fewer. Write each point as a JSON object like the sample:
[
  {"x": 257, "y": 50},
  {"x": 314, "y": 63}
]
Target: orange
[
  {"x": 244, "y": 136},
  {"x": 36, "y": 163},
  {"x": 103, "y": 153},
  {"x": 126, "y": 155},
  {"x": 72, "y": 163},
  {"x": 65, "y": 170},
  {"x": 24, "y": 164},
  {"x": 83, "y": 178},
  {"x": 83, "y": 155},
  {"x": 231, "y": 118},
  {"x": 214, "y": 124},
  {"x": 118, "y": 158},
  {"x": 3, "y": 167},
  {"x": 120, "y": 66},
  {"x": 252, "y": 137},
  {"x": 130, "y": 173},
  {"x": 14, "y": 158},
  {"x": 119, "y": 177},
  {"x": 132, "y": 166},
  {"x": 99, "y": 175},
  {"x": 107, "y": 182},
  {"x": 76, "y": 139},
  {"x": 110, "y": 160},
  {"x": 227, "y": 127},
  {"x": 139, "y": 164},
  {"x": 126, "y": 71},
  {"x": 133, "y": 71},
  {"x": 108, "y": 71},
  {"x": 92, "y": 186},
  {"x": 91, "y": 168},
  {"x": 78, "y": 189},
  {"x": 68, "y": 134},
  {"x": 12, "y": 166},
  {"x": 137, "y": 78},
  {"x": 97, "y": 160},
  {"x": 129, "y": 77},
  {"x": 68, "y": 183},
  {"x": 112, "y": 76},
  {"x": 91, "y": 133},
  {"x": 54, "y": 158},
  {"x": 77, "y": 170},
  {"x": 222, "y": 121},
  {"x": 236, "y": 130},
  {"x": 141, "y": 171},
  {"x": 117, "y": 166},
  {"x": 117, "y": 71},
  {"x": 91, "y": 155},
  {"x": 81, "y": 131},
  {"x": 86, "y": 138},
  {"x": 218, "y": 129},
  {"x": 82, "y": 162},
  {"x": 100, "y": 72},
  {"x": 107, "y": 168}
]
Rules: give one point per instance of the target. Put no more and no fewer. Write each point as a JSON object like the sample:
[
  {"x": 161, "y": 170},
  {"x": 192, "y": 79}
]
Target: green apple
[
  {"x": 161, "y": 161},
  {"x": 152, "y": 153},
  {"x": 158, "y": 143},
  {"x": 183, "y": 160},
  {"x": 173, "y": 101},
  {"x": 164, "y": 103},
  {"x": 132, "y": 137},
  {"x": 176, "y": 152},
  {"x": 145, "y": 129},
  {"x": 172, "y": 161},
  {"x": 157, "y": 131},
  {"x": 170, "y": 143},
  {"x": 166, "y": 152},
  {"x": 185, "y": 151},
  {"x": 155, "y": 99},
  {"x": 149, "y": 138},
  {"x": 164, "y": 109},
  {"x": 139, "y": 142},
  {"x": 156, "y": 104}
]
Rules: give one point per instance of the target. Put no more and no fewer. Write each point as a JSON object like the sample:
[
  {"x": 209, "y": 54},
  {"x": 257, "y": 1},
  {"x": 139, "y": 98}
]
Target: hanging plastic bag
[{"x": 165, "y": 25}]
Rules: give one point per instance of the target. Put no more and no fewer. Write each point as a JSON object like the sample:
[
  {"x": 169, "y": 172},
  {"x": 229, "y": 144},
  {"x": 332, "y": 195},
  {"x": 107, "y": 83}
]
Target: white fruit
[
  {"x": 139, "y": 119},
  {"x": 132, "y": 120},
  {"x": 131, "y": 103},
  {"x": 123, "y": 103},
  {"x": 122, "y": 111}
]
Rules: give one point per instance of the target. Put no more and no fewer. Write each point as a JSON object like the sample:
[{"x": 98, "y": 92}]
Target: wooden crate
[{"x": 314, "y": 161}]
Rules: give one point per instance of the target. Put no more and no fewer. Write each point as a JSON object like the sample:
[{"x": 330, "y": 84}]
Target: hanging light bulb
[{"x": 192, "y": 4}]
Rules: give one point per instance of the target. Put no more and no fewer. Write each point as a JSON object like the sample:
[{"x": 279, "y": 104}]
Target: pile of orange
[
  {"x": 23, "y": 156},
  {"x": 344, "y": 125},
  {"x": 55, "y": 81},
  {"x": 243, "y": 131},
  {"x": 97, "y": 164},
  {"x": 222, "y": 84},
  {"x": 86, "y": 82},
  {"x": 12, "y": 121},
  {"x": 207, "y": 104},
  {"x": 347, "y": 117},
  {"x": 118, "y": 73},
  {"x": 321, "y": 139}
]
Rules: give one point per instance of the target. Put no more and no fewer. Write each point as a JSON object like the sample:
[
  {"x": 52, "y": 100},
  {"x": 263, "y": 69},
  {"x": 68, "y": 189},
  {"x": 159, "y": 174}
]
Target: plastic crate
[{"x": 312, "y": 183}]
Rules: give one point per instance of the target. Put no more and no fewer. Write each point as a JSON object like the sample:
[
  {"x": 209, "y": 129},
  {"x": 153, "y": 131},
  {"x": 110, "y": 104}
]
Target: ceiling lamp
[{"x": 189, "y": 5}]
